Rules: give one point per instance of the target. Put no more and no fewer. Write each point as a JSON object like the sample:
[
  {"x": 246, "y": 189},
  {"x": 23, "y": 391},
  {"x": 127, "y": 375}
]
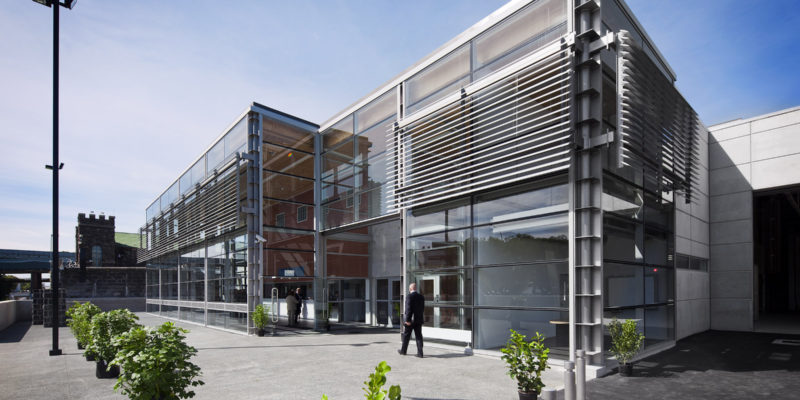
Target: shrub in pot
[
  {"x": 260, "y": 317},
  {"x": 105, "y": 326},
  {"x": 625, "y": 343},
  {"x": 155, "y": 363},
  {"x": 79, "y": 318},
  {"x": 526, "y": 360},
  {"x": 71, "y": 315},
  {"x": 374, "y": 386}
]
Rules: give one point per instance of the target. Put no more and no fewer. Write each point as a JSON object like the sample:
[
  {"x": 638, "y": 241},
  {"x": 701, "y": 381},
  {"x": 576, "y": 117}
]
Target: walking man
[{"x": 413, "y": 319}]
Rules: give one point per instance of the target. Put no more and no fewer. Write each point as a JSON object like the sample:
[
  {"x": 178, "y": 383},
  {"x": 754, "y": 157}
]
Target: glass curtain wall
[
  {"x": 493, "y": 262},
  {"x": 288, "y": 211},
  {"x": 638, "y": 254}
]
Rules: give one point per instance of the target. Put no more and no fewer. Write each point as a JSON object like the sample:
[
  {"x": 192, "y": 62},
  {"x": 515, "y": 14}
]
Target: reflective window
[
  {"x": 452, "y": 287},
  {"x": 539, "y": 285},
  {"x": 374, "y": 141},
  {"x": 288, "y": 161},
  {"x": 236, "y": 140},
  {"x": 537, "y": 239},
  {"x": 519, "y": 34},
  {"x": 500, "y": 206},
  {"x": 623, "y": 285},
  {"x": 287, "y": 135},
  {"x": 622, "y": 198},
  {"x": 659, "y": 285},
  {"x": 285, "y": 187},
  {"x": 439, "y": 79},
  {"x": 377, "y": 110},
  {"x": 439, "y": 217},
  {"x": 447, "y": 317},
  {"x": 622, "y": 240},
  {"x": 337, "y": 134},
  {"x": 493, "y": 327},
  {"x": 214, "y": 157},
  {"x": 439, "y": 250}
]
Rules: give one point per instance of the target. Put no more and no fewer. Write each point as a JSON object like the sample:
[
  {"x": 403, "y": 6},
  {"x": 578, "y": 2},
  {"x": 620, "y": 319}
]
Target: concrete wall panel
[
  {"x": 699, "y": 231},
  {"x": 778, "y": 142},
  {"x": 700, "y": 207},
  {"x": 776, "y": 121},
  {"x": 699, "y": 249},
  {"x": 731, "y": 314},
  {"x": 691, "y": 285},
  {"x": 731, "y": 285},
  {"x": 731, "y": 207},
  {"x": 683, "y": 225},
  {"x": 729, "y": 152},
  {"x": 776, "y": 172},
  {"x": 729, "y": 133},
  {"x": 730, "y": 232},
  {"x": 692, "y": 316},
  {"x": 731, "y": 179},
  {"x": 683, "y": 245},
  {"x": 730, "y": 257}
]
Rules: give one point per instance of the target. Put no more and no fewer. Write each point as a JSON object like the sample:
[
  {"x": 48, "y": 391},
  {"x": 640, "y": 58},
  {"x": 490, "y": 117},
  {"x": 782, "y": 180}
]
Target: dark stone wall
[
  {"x": 104, "y": 282},
  {"x": 93, "y": 231}
]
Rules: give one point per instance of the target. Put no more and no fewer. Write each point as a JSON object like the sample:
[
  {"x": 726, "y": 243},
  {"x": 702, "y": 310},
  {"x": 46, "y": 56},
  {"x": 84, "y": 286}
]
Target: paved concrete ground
[
  {"x": 293, "y": 365},
  {"x": 712, "y": 365}
]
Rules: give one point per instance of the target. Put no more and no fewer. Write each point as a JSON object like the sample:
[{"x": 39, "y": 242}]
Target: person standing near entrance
[
  {"x": 298, "y": 308},
  {"x": 413, "y": 319},
  {"x": 291, "y": 306}
]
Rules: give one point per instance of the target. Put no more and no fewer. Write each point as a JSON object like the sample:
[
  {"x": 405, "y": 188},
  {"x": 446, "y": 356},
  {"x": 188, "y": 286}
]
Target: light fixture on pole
[{"x": 54, "y": 265}]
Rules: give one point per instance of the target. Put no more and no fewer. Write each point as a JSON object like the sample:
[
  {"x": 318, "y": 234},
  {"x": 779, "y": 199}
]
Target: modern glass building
[{"x": 537, "y": 172}]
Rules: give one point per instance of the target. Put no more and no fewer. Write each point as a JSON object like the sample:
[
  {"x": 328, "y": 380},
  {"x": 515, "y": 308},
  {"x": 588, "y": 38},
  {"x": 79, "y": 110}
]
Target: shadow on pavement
[{"x": 15, "y": 332}]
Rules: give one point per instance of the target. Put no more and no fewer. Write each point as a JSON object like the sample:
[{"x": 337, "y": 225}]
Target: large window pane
[
  {"x": 227, "y": 290},
  {"x": 659, "y": 324},
  {"x": 520, "y": 34},
  {"x": 439, "y": 79},
  {"x": 450, "y": 215},
  {"x": 374, "y": 140},
  {"x": 337, "y": 134},
  {"x": 376, "y": 111},
  {"x": 371, "y": 173},
  {"x": 285, "y": 187},
  {"x": 288, "y": 263},
  {"x": 214, "y": 157},
  {"x": 339, "y": 212},
  {"x": 541, "y": 285},
  {"x": 659, "y": 285},
  {"x": 622, "y": 198},
  {"x": 453, "y": 287},
  {"x": 288, "y": 239},
  {"x": 623, "y": 285},
  {"x": 287, "y": 135},
  {"x": 658, "y": 247},
  {"x": 236, "y": 139},
  {"x": 622, "y": 240},
  {"x": 372, "y": 203},
  {"x": 447, "y": 317},
  {"x": 503, "y": 206},
  {"x": 288, "y": 161},
  {"x": 281, "y": 214},
  {"x": 537, "y": 239},
  {"x": 440, "y": 250},
  {"x": 493, "y": 327}
]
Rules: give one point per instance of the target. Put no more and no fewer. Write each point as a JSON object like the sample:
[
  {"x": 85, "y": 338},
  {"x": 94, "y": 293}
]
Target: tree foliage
[
  {"x": 79, "y": 320},
  {"x": 374, "y": 385},
  {"x": 104, "y": 327},
  {"x": 625, "y": 339}
]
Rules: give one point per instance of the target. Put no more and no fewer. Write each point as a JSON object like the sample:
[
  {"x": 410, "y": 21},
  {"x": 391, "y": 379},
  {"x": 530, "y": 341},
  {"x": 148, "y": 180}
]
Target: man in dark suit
[{"x": 413, "y": 319}]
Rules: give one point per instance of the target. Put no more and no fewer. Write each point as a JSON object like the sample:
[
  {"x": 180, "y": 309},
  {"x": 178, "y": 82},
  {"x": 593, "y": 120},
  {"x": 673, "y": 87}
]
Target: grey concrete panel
[
  {"x": 731, "y": 314},
  {"x": 683, "y": 225},
  {"x": 700, "y": 206},
  {"x": 732, "y": 232},
  {"x": 778, "y": 142},
  {"x": 730, "y": 257},
  {"x": 729, "y": 152},
  {"x": 702, "y": 180},
  {"x": 692, "y": 316},
  {"x": 776, "y": 121},
  {"x": 680, "y": 203},
  {"x": 731, "y": 179},
  {"x": 729, "y": 132},
  {"x": 703, "y": 156},
  {"x": 699, "y": 249},
  {"x": 683, "y": 245},
  {"x": 731, "y": 207},
  {"x": 776, "y": 172},
  {"x": 691, "y": 285},
  {"x": 731, "y": 285},
  {"x": 699, "y": 230}
]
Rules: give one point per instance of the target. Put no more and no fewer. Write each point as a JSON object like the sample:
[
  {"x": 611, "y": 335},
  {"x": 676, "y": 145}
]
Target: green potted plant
[
  {"x": 625, "y": 343},
  {"x": 79, "y": 317},
  {"x": 155, "y": 363},
  {"x": 105, "y": 326},
  {"x": 260, "y": 317},
  {"x": 71, "y": 314},
  {"x": 526, "y": 360}
]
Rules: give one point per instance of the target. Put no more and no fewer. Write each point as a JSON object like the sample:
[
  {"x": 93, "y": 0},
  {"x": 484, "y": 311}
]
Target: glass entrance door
[{"x": 389, "y": 302}]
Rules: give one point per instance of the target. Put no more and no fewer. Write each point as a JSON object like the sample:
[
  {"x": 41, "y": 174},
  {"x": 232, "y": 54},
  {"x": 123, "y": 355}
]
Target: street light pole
[
  {"x": 54, "y": 281},
  {"x": 54, "y": 272}
]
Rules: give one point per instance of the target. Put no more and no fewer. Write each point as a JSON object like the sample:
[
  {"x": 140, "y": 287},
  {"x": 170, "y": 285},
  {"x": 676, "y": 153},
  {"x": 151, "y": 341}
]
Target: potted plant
[
  {"x": 105, "y": 326},
  {"x": 79, "y": 318},
  {"x": 625, "y": 343},
  {"x": 155, "y": 363},
  {"x": 374, "y": 386},
  {"x": 526, "y": 361},
  {"x": 260, "y": 317},
  {"x": 72, "y": 314}
]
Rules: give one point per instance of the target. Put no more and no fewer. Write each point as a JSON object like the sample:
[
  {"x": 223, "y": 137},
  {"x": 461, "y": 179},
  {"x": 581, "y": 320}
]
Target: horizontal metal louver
[
  {"x": 657, "y": 126},
  {"x": 213, "y": 209},
  {"x": 514, "y": 129}
]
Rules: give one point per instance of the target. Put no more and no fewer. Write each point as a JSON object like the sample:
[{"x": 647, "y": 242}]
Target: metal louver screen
[
  {"x": 210, "y": 211},
  {"x": 514, "y": 129},
  {"x": 657, "y": 126}
]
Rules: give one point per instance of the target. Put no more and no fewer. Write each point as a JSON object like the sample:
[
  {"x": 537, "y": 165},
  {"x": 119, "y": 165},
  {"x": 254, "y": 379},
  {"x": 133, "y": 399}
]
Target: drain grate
[{"x": 787, "y": 342}]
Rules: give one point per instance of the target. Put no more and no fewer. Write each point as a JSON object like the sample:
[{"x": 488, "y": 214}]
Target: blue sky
[{"x": 147, "y": 85}]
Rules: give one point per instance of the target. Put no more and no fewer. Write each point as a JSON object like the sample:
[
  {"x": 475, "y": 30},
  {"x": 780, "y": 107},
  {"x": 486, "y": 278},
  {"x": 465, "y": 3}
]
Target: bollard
[
  {"x": 569, "y": 380},
  {"x": 580, "y": 375},
  {"x": 548, "y": 394}
]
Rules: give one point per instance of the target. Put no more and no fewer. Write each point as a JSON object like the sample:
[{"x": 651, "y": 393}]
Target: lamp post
[{"x": 55, "y": 167}]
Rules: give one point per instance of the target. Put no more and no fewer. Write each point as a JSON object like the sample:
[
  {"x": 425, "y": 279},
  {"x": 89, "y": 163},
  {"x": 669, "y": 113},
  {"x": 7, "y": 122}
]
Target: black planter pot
[
  {"x": 89, "y": 356},
  {"x": 103, "y": 373},
  {"x": 260, "y": 332},
  {"x": 528, "y": 395},
  {"x": 626, "y": 369},
  {"x": 80, "y": 346}
]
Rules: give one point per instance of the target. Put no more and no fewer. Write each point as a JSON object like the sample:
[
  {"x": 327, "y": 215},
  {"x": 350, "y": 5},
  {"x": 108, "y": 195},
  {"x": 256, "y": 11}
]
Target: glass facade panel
[
  {"x": 519, "y": 34},
  {"x": 623, "y": 285},
  {"x": 214, "y": 157},
  {"x": 288, "y": 161},
  {"x": 450, "y": 287},
  {"x": 622, "y": 199},
  {"x": 285, "y": 187},
  {"x": 439, "y": 250},
  {"x": 658, "y": 247},
  {"x": 279, "y": 263},
  {"x": 659, "y": 285},
  {"x": 337, "y": 134},
  {"x": 622, "y": 240},
  {"x": 503, "y": 206},
  {"x": 537, "y": 239},
  {"x": 283, "y": 214},
  {"x": 373, "y": 141},
  {"x": 339, "y": 212},
  {"x": 493, "y": 327},
  {"x": 236, "y": 140},
  {"x": 539, "y": 285},
  {"x": 377, "y": 110},
  {"x": 439, "y": 217},
  {"x": 659, "y": 324},
  {"x": 288, "y": 239},
  {"x": 458, "y": 318},
  {"x": 439, "y": 79},
  {"x": 287, "y": 135}
]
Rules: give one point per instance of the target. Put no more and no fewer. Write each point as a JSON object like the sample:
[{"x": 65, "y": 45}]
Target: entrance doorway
[
  {"x": 776, "y": 237},
  {"x": 388, "y": 302}
]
